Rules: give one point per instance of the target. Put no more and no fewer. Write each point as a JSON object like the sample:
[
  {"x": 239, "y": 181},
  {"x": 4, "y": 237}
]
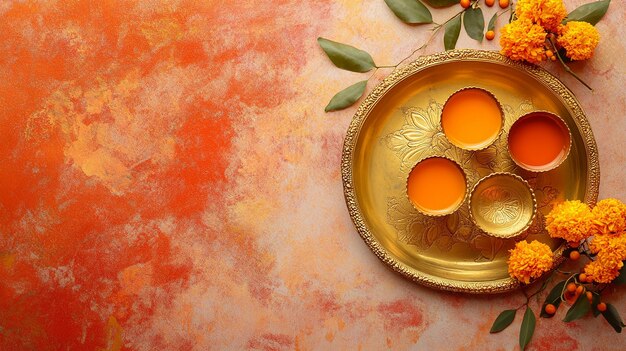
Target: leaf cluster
[
  {"x": 415, "y": 12},
  {"x": 579, "y": 309}
]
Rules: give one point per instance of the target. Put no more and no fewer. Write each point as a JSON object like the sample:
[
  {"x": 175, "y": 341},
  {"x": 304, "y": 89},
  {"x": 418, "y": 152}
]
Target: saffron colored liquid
[
  {"x": 436, "y": 186},
  {"x": 538, "y": 140},
  {"x": 471, "y": 119}
]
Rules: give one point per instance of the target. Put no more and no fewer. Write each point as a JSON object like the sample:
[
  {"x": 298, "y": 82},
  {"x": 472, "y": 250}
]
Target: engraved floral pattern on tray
[{"x": 421, "y": 136}]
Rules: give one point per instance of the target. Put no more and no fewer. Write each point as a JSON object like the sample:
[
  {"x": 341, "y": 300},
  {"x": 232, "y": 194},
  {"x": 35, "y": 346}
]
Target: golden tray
[{"x": 398, "y": 124}]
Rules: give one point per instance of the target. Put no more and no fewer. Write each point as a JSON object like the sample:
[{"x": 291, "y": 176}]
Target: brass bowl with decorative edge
[
  {"x": 447, "y": 204},
  {"x": 502, "y": 205},
  {"x": 398, "y": 123},
  {"x": 466, "y": 93},
  {"x": 538, "y": 141}
]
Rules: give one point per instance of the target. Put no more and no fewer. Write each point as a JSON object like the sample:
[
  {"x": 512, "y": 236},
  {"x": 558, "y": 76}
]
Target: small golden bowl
[
  {"x": 503, "y": 205},
  {"x": 539, "y": 141},
  {"x": 436, "y": 186},
  {"x": 472, "y": 118}
]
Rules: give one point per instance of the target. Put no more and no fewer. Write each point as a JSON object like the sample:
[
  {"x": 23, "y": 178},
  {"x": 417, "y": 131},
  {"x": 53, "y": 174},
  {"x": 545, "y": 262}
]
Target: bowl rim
[
  {"x": 514, "y": 235},
  {"x": 553, "y": 165},
  {"x": 502, "y": 118},
  {"x": 438, "y": 214}
]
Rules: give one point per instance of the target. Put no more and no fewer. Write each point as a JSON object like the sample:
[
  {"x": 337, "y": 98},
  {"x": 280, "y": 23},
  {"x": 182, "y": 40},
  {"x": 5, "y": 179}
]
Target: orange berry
[
  {"x": 549, "y": 53},
  {"x": 574, "y": 255},
  {"x": 571, "y": 287},
  {"x": 465, "y": 3},
  {"x": 589, "y": 279},
  {"x": 503, "y": 3},
  {"x": 582, "y": 277},
  {"x": 579, "y": 290},
  {"x": 553, "y": 58},
  {"x": 490, "y": 2},
  {"x": 601, "y": 307},
  {"x": 589, "y": 296},
  {"x": 490, "y": 35},
  {"x": 550, "y": 309}
]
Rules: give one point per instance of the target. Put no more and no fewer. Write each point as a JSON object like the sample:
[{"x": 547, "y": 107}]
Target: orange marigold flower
[
  {"x": 609, "y": 217},
  {"x": 523, "y": 40},
  {"x": 601, "y": 273},
  {"x": 570, "y": 220},
  {"x": 579, "y": 39},
  {"x": 615, "y": 242},
  {"x": 546, "y": 13},
  {"x": 608, "y": 262},
  {"x": 529, "y": 260},
  {"x": 600, "y": 241},
  {"x": 617, "y": 247}
]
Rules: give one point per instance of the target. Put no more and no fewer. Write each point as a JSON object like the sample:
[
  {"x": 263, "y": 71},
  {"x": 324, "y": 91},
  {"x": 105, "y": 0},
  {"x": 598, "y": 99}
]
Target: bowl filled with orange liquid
[
  {"x": 472, "y": 118},
  {"x": 539, "y": 141},
  {"x": 502, "y": 205},
  {"x": 436, "y": 186}
]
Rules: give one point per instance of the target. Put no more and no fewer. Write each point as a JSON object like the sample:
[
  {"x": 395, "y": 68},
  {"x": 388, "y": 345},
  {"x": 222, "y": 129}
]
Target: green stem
[
  {"x": 437, "y": 26},
  {"x": 504, "y": 11},
  {"x": 435, "y": 29},
  {"x": 564, "y": 272},
  {"x": 535, "y": 293},
  {"x": 565, "y": 285},
  {"x": 371, "y": 75},
  {"x": 420, "y": 48},
  {"x": 541, "y": 288},
  {"x": 522, "y": 305},
  {"x": 566, "y": 67}
]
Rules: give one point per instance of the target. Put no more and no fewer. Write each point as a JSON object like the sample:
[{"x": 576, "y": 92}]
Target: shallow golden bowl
[
  {"x": 479, "y": 145},
  {"x": 503, "y": 205},
  {"x": 564, "y": 131},
  {"x": 453, "y": 207}
]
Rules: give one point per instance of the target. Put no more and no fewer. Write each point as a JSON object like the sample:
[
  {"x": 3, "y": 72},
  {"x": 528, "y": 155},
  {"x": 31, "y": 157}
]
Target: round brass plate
[{"x": 398, "y": 124}]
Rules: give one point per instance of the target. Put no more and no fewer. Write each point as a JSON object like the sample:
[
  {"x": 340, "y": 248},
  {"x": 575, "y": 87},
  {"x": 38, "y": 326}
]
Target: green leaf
[
  {"x": 346, "y": 97},
  {"x": 527, "y": 329},
  {"x": 441, "y": 3},
  {"x": 347, "y": 57},
  {"x": 612, "y": 316},
  {"x": 621, "y": 278},
  {"x": 594, "y": 305},
  {"x": 554, "y": 297},
  {"x": 474, "y": 23},
  {"x": 410, "y": 11},
  {"x": 580, "y": 308},
  {"x": 591, "y": 13},
  {"x": 492, "y": 22},
  {"x": 453, "y": 29},
  {"x": 504, "y": 320}
]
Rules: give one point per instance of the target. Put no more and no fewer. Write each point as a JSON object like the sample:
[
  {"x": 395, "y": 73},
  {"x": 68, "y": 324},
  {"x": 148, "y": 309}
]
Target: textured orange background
[{"x": 169, "y": 181}]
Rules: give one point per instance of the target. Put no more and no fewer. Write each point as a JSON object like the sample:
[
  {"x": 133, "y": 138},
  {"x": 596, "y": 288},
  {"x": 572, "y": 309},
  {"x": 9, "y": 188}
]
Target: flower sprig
[
  {"x": 541, "y": 30},
  {"x": 600, "y": 235},
  {"x": 538, "y": 30}
]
